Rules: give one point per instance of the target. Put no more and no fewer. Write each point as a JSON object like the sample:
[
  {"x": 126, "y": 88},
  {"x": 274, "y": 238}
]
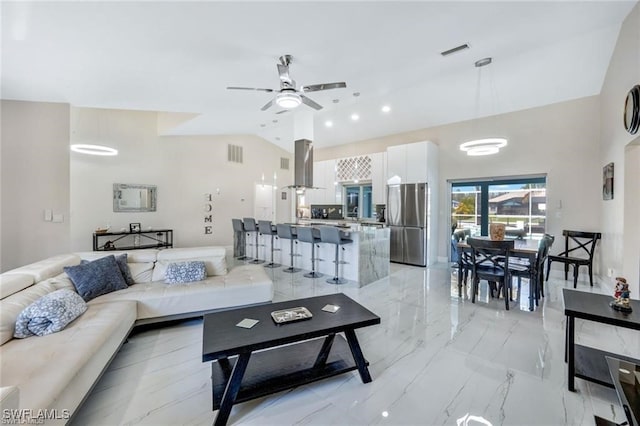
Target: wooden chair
[
  {"x": 583, "y": 243},
  {"x": 490, "y": 261}
]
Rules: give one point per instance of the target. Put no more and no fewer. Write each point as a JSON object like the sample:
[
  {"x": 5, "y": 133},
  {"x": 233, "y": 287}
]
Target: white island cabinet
[{"x": 367, "y": 256}]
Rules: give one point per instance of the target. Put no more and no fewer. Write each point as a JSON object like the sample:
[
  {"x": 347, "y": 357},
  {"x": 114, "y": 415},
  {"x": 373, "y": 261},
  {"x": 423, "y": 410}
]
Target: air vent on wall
[
  {"x": 284, "y": 163},
  {"x": 455, "y": 49},
  {"x": 234, "y": 153}
]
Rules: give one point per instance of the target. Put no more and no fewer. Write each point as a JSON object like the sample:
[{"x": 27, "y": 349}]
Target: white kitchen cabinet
[
  {"x": 329, "y": 172},
  {"x": 397, "y": 164},
  {"x": 410, "y": 163},
  {"x": 378, "y": 177},
  {"x": 416, "y": 165}
]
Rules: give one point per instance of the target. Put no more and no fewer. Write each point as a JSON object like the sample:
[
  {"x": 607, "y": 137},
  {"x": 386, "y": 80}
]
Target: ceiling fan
[{"x": 288, "y": 96}]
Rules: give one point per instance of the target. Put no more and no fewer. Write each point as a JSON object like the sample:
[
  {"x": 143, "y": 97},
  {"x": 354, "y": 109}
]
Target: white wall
[
  {"x": 560, "y": 140},
  {"x": 35, "y": 177},
  {"x": 620, "y": 248},
  {"x": 183, "y": 167}
]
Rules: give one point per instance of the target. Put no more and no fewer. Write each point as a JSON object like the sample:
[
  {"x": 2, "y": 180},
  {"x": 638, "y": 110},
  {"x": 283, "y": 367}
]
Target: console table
[
  {"x": 157, "y": 238},
  {"x": 585, "y": 362}
]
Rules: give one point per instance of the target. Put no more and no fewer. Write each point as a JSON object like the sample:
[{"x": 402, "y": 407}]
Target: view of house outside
[{"x": 521, "y": 207}]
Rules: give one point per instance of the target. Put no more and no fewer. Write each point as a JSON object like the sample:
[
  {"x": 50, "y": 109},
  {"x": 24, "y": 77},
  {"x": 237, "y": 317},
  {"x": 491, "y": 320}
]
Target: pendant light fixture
[
  {"x": 93, "y": 149},
  {"x": 484, "y": 146}
]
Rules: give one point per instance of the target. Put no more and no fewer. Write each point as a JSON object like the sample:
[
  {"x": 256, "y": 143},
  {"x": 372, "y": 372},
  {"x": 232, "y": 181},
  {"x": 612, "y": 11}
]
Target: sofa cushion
[
  {"x": 96, "y": 278},
  {"x": 185, "y": 272},
  {"x": 49, "y": 314},
  {"x": 13, "y": 283},
  {"x": 67, "y": 363},
  {"x": 140, "y": 262},
  {"x": 47, "y": 268},
  {"x": 213, "y": 257},
  {"x": 243, "y": 285},
  {"x": 10, "y": 307},
  {"x": 121, "y": 260}
]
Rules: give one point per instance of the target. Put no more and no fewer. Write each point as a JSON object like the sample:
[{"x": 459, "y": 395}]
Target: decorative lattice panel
[{"x": 354, "y": 168}]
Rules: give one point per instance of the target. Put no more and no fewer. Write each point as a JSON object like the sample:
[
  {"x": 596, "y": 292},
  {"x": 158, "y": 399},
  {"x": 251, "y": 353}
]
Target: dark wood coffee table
[{"x": 313, "y": 350}]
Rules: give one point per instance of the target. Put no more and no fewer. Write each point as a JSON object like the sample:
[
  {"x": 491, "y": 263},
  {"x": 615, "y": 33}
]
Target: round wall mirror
[{"x": 632, "y": 110}]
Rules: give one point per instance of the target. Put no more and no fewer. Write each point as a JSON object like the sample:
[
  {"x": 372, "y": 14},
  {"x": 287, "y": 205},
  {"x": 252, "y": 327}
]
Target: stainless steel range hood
[{"x": 303, "y": 164}]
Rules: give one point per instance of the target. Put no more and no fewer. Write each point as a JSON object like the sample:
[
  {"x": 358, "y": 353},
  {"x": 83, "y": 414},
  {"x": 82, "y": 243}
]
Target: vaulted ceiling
[{"x": 179, "y": 57}]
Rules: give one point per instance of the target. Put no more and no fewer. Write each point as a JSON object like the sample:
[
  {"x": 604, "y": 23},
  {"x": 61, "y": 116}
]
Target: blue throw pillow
[
  {"x": 121, "y": 259},
  {"x": 96, "y": 278},
  {"x": 185, "y": 272},
  {"x": 49, "y": 314}
]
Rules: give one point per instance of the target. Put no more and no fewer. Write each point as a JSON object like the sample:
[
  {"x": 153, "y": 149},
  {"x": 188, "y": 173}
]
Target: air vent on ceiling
[
  {"x": 455, "y": 49},
  {"x": 284, "y": 163},
  {"x": 234, "y": 153}
]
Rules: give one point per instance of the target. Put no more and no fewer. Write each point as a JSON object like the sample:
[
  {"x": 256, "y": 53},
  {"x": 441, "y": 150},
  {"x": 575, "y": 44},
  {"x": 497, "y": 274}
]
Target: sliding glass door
[{"x": 518, "y": 203}]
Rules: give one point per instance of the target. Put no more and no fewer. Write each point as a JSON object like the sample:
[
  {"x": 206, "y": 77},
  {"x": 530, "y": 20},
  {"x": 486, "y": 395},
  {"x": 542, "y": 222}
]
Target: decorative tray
[{"x": 289, "y": 315}]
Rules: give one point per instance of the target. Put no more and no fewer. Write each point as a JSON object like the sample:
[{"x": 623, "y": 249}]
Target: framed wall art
[{"x": 607, "y": 182}]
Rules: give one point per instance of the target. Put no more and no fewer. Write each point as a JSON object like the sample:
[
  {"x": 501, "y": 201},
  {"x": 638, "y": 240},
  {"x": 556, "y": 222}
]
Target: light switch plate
[{"x": 48, "y": 215}]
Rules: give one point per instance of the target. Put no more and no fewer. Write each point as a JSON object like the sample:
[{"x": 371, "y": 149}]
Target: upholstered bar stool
[
  {"x": 250, "y": 226},
  {"x": 305, "y": 234},
  {"x": 238, "y": 227},
  {"x": 331, "y": 235},
  {"x": 286, "y": 232},
  {"x": 266, "y": 228}
]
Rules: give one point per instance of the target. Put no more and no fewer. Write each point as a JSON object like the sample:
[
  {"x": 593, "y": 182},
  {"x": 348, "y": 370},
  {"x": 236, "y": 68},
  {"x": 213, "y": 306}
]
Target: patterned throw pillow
[
  {"x": 185, "y": 272},
  {"x": 49, "y": 314},
  {"x": 96, "y": 278},
  {"x": 121, "y": 259}
]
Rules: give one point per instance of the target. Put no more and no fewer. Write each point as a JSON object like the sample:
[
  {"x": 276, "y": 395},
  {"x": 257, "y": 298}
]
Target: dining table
[{"x": 525, "y": 251}]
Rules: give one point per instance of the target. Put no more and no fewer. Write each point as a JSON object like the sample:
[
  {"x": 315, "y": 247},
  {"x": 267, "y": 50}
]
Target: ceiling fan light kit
[
  {"x": 288, "y": 100},
  {"x": 289, "y": 97}
]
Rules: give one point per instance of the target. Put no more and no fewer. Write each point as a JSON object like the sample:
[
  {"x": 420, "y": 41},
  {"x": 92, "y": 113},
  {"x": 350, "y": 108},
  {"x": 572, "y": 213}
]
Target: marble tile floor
[{"x": 434, "y": 359}]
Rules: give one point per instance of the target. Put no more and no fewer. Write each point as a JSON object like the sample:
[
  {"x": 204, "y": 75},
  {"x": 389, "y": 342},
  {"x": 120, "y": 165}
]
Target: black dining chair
[
  {"x": 576, "y": 243},
  {"x": 490, "y": 262},
  {"x": 531, "y": 266}
]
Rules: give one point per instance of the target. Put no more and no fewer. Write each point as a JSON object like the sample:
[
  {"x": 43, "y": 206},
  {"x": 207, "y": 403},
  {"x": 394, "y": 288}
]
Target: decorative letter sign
[{"x": 208, "y": 218}]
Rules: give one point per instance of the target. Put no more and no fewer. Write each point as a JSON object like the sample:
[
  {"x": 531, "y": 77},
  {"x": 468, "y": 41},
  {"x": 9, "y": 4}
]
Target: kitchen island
[{"x": 367, "y": 255}]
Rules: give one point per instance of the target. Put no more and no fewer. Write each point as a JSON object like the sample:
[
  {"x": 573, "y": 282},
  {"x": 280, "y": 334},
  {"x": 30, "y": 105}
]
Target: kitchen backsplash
[{"x": 326, "y": 211}]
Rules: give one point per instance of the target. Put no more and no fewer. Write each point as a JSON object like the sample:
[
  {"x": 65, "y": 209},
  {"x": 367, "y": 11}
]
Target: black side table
[{"x": 585, "y": 362}]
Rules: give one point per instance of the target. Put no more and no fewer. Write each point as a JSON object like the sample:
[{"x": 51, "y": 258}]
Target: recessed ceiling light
[
  {"x": 263, "y": 125},
  {"x": 328, "y": 123},
  {"x": 275, "y": 121},
  {"x": 277, "y": 138},
  {"x": 355, "y": 117},
  {"x": 335, "y": 101},
  {"x": 356, "y": 94},
  {"x": 386, "y": 108}
]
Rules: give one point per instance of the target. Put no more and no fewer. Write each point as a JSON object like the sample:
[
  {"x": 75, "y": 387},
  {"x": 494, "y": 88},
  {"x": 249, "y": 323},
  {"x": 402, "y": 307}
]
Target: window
[
  {"x": 358, "y": 201},
  {"x": 518, "y": 203}
]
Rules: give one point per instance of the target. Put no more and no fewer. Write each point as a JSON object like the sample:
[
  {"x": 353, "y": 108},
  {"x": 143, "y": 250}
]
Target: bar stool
[
  {"x": 286, "y": 232},
  {"x": 250, "y": 226},
  {"x": 331, "y": 235},
  {"x": 238, "y": 226},
  {"x": 305, "y": 234},
  {"x": 266, "y": 228}
]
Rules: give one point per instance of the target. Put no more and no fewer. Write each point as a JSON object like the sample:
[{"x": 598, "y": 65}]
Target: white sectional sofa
[{"x": 56, "y": 372}]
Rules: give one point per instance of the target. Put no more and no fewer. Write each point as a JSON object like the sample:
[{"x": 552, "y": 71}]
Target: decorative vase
[{"x": 496, "y": 231}]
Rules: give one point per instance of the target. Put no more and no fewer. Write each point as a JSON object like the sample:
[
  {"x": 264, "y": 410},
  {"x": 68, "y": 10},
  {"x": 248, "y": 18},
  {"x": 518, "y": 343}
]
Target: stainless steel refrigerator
[{"x": 407, "y": 218}]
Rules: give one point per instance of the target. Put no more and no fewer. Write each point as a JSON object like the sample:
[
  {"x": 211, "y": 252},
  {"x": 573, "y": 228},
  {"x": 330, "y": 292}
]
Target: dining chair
[
  {"x": 490, "y": 262},
  {"x": 531, "y": 266},
  {"x": 576, "y": 243}
]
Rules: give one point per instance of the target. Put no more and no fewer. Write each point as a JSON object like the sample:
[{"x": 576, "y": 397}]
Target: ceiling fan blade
[
  {"x": 310, "y": 103},
  {"x": 283, "y": 70},
  {"x": 249, "y": 88},
  {"x": 324, "y": 86},
  {"x": 283, "y": 111},
  {"x": 267, "y": 105}
]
